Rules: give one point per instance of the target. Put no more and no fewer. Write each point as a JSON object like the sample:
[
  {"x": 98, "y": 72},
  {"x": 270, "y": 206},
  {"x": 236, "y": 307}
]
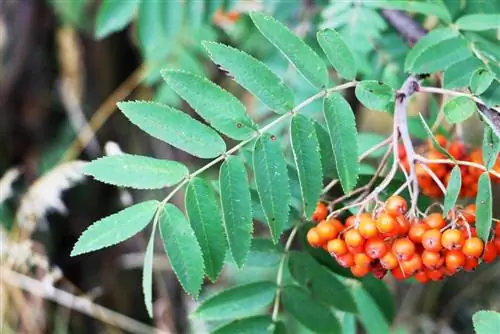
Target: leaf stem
[
  {"x": 457, "y": 162},
  {"x": 443, "y": 91}
]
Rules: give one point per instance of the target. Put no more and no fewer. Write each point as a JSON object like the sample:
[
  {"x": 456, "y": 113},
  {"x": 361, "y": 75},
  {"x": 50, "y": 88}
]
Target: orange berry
[
  {"x": 396, "y": 205},
  {"x": 473, "y": 247},
  {"x": 490, "y": 252},
  {"x": 455, "y": 260},
  {"x": 453, "y": 239},
  {"x": 354, "y": 250},
  {"x": 353, "y": 238},
  {"x": 401, "y": 152},
  {"x": 326, "y": 230},
  {"x": 403, "y": 249},
  {"x": 346, "y": 260},
  {"x": 457, "y": 150},
  {"x": 497, "y": 229},
  {"x": 387, "y": 224},
  {"x": 404, "y": 225},
  {"x": 412, "y": 265},
  {"x": 375, "y": 248},
  {"x": 437, "y": 274},
  {"x": 368, "y": 227},
  {"x": 360, "y": 271},
  {"x": 320, "y": 212},
  {"x": 469, "y": 213},
  {"x": 337, "y": 224},
  {"x": 471, "y": 263},
  {"x": 496, "y": 241},
  {"x": 431, "y": 240},
  {"x": 313, "y": 238},
  {"x": 361, "y": 259},
  {"x": 337, "y": 247},
  {"x": 389, "y": 261},
  {"x": 398, "y": 273},
  {"x": 443, "y": 142},
  {"x": 432, "y": 260},
  {"x": 435, "y": 220},
  {"x": 417, "y": 231},
  {"x": 422, "y": 277}
]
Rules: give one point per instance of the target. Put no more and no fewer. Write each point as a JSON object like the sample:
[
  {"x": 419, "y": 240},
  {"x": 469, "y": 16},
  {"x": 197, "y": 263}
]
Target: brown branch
[{"x": 405, "y": 25}]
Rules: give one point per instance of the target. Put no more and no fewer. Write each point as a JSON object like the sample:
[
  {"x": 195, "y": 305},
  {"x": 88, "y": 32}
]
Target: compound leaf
[
  {"x": 114, "y": 15},
  {"x": 452, "y": 190},
  {"x": 484, "y": 207},
  {"x": 338, "y": 53},
  {"x": 374, "y": 95},
  {"x": 459, "y": 109}
]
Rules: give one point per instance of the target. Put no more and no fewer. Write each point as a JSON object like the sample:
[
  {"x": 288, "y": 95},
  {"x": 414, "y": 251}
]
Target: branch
[
  {"x": 408, "y": 28},
  {"x": 457, "y": 162}
]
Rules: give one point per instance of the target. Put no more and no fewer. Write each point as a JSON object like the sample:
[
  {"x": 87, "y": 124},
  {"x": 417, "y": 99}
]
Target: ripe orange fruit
[
  {"x": 404, "y": 225},
  {"x": 411, "y": 265},
  {"x": 367, "y": 227},
  {"x": 353, "y": 238},
  {"x": 471, "y": 263},
  {"x": 473, "y": 247},
  {"x": 437, "y": 274},
  {"x": 387, "y": 224},
  {"x": 398, "y": 273},
  {"x": 432, "y": 260},
  {"x": 453, "y": 239},
  {"x": 431, "y": 240},
  {"x": 435, "y": 220},
  {"x": 443, "y": 142},
  {"x": 313, "y": 238},
  {"x": 417, "y": 231},
  {"x": 326, "y": 230},
  {"x": 396, "y": 205},
  {"x": 457, "y": 150},
  {"x": 454, "y": 260},
  {"x": 490, "y": 252},
  {"x": 469, "y": 213},
  {"x": 354, "y": 250},
  {"x": 360, "y": 271},
  {"x": 389, "y": 261},
  {"x": 337, "y": 224},
  {"x": 496, "y": 241},
  {"x": 375, "y": 248},
  {"x": 361, "y": 259},
  {"x": 346, "y": 260},
  {"x": 422, "y": 277},
  {"x": 320, "y": 212},
  {"x": 403, "y": 248},
  {"x": 337, "y": 247}
]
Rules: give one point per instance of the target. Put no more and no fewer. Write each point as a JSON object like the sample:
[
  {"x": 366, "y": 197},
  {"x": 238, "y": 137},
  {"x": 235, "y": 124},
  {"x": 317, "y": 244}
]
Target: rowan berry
[
  {"x": 490, "y": 252},
  {"x": 469, "y": 213},
  {"x": 387, "y": 224},
  {"x": 457, "y": 150},
  {"x": 431, "y": 240},
  {"x": 353, "y": 238},
  {"x": 346, "y": 260},
  {"x": 320, "y": 212},
  {"x": 389, "y": 261},
  {"x": 412, "y": 265},
  {"x": 398, "y": 273},
  {"x": 326, "y": 230},
  {"x": 496, "y": 241},
  {"x": 367, "y": 227},
  {"x": 361, "y": 259},
  {"x": 435, "y": 220},
  {"x": 337, "y": 224},
  {"x": 337, "y": 247},
  {"x": 417, "y": 231},
  {"x": 313, "y": 238},
  {"x": 354, "y": 250},
  {"x": 471, "y": 263},
  {"x": 422, "y": 277},
  {"x": 442, "y": 141},
  {"x": 455, "y": 260},
  {"x": 497, "y": 229},
  {"x": 396, "y": 205},
  {"x": 453, "y": 239},
  {"x": 375, "y": 248},
  {"x": 473, "y": 247},
  {"x": 404, "y": 225},
  {"x": 403, "y": 248},
  {"x": 360, "y": 271},
  {"x": 437, "y": 274},
  {"x": 432, "y": 260}
]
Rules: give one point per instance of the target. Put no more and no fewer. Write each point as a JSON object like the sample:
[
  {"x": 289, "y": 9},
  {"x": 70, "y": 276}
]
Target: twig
[
  {"x": 77, "y": 303},
  {"x": 456, "y": 162},
  {"x": 437, "y": 90}
]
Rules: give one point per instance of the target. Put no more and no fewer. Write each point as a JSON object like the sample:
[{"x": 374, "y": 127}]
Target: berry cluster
[
  {"x": 457, "y": 149},
  {"x": 427, "y": 249}
]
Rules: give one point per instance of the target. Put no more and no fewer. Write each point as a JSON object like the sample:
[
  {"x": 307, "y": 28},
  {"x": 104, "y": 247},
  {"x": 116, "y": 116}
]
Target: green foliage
[
  {"x": 460, "y": 74},
  {"x": 486, "y": 322},
  {"x": 306, "y": 152},
  {"x": 381, "y": 295},
  {"x": 459, "y": 109},
  {"x": 435, "y": 143},
  {"x": 375, "y": 95},
  {"x": 147, "y": 273},
  {"x": 114, "y": 15},
  {"x": 174, "y": 127},
  {"x": 307, "y": 62},
  {"x": 481, "y": 80},
  {"x": 253, "y": 75},
  {"x": 440, "y": 56},
  {"x": 115, "y": 228},
  {"x": 271, "y": 177},
  {"x": 237, "y": 302},
  {"x": 484, "y": 207},
  {"x": 329, "y": 166},
  {"x": 136, "y": 171},
  {"x": 343, "y": 136},
  {"x": 370, "y": 314},
  {"x": 477, "y": 22},
  {"x": 452, "y": 190},
  {"x": 208, "y": 99},
  {"x": 206, "y": 221},
  {"x": 338, "y": 53},
  {"x": 236, "y": 208},
  {"x": 491, "y": 148},
  {"x": 182, "y": 249},
  {"x": 424, "y": 7},
  {"x": 259, "y": 324}
]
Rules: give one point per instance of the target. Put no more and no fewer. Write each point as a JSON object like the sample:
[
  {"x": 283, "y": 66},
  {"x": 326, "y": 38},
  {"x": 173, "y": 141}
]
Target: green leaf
[
  {"x": 441, "y": 56},
  {"x": 114, "y": 15},
  {"x": 338, "y": 53},
  {"x": 174, "y": 127},
  {"x": 253, "y": 75},
  {"x": 491, "y": 96},
  {"x": 452, "y": 190},
  {"x": 433, "y": 38},
  {"x": 369, "y": 314},
  {"x": 307, "y": 156},
  {"x": 195, "y": 10},
  {"x": 307, "y": 62},
  {"x": 236, "y": 208},
  {"x": 136, "y": 171},
  {"x": 206, "y": 221},
  {"x": 491, "y": 148},
  {"x": 481, "y": 80},
  {"x": 343, "y": 136},
  {"x": 115, "y": 228},
  {"x": 150, "y": 29},
  {"x": 374, "y": 95},
  {"x": 459, "y": 109},
  {"x": 434, "y": 141},
  {"x": 486, "y": 322},
  {"x": 484, "y": 207},
  {"x": 323, "y": 285},
  {"x": 310, "y": 313},
  {"x": 182, "y": 249},
  {"x": 237, "y": 302},
  {"x": 367, "y": 140},
  {"x": 381, "y": 295},
  {"x": 147, "y": 273},
  {"x": 424, "y": 7},
  {"x": 264, "y": 253},
  {"x": 329, "y": 166},
  {"x": 259, "y": 324},
  {"x": 208, "y": 100},
  {"x": 478, "y": 22},
  {"x": 271, "y": 178},
  {"x": 459, "y": 74}
]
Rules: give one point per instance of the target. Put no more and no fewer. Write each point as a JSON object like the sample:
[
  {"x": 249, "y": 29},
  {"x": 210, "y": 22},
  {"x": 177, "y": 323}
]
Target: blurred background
[{"x": 63, "y": 66}]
